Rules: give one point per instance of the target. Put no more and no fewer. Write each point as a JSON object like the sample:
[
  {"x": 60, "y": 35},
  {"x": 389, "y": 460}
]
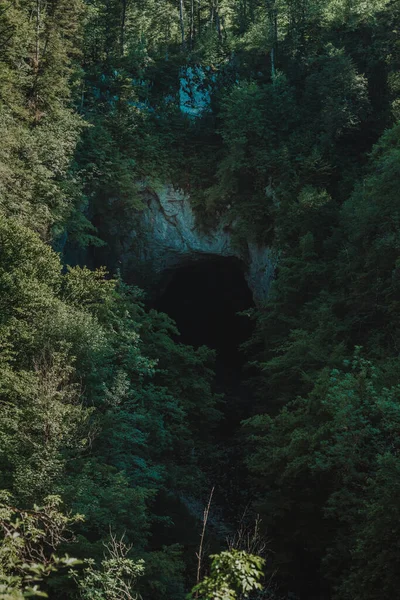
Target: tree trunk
[
  {"x": 273, "y": 29},
  {"x": 37, "y": 49},
  {"x": 217, "y": 20},
  {"x": 181, "y": 17},
  {"x": 198, "y": 16},
  {"x": 36, "y": 62},
  {"x": 123, "y": 20},
  {"x": 191, "y": 24},
  {"x": 272, "y": 62}
]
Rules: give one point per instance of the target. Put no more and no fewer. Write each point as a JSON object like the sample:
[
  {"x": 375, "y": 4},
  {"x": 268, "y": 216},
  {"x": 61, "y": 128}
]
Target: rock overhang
[{"x": 167, "y": 237}]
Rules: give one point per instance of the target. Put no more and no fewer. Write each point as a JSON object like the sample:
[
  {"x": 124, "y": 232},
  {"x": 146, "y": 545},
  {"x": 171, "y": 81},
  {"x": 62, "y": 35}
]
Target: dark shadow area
[{"x": 203, "y": 299}]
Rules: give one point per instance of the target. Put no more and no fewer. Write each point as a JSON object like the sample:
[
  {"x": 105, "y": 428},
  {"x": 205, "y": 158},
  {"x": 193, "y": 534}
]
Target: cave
[{"x": 204, "y": 299}]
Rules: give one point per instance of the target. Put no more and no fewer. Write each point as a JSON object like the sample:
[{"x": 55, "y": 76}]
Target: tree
[
  {"x": 234, "y": 574},
  {"x": 330, "y": 447},
  {"x": 117, "y": 577},
  {"x": 28, "y": 540}
]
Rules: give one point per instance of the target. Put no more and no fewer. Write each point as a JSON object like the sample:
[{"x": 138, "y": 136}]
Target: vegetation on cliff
[{"x": 110, "y": 428}]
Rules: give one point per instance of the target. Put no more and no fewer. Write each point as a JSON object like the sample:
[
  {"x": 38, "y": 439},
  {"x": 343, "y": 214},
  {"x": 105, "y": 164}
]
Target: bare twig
[
  {"x": 200, "y": 552},
  {"x": 248, "y": 537}
]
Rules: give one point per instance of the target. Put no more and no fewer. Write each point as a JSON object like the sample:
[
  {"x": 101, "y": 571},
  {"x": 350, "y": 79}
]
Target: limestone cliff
[{"x": 168, "y": 237}]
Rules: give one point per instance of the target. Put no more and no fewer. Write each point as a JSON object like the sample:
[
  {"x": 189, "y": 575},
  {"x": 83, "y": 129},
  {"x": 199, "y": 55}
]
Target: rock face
[
  {"x": 194, "y": 94},
  {"x": 167, "y": 237}
]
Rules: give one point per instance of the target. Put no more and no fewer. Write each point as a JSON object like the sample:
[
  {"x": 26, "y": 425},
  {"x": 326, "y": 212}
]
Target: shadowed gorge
[{"x": 204, "y": 299}]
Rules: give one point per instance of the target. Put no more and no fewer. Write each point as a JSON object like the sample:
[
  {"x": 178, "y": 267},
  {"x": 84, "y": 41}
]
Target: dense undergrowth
[{"x": 100, "y": 405}]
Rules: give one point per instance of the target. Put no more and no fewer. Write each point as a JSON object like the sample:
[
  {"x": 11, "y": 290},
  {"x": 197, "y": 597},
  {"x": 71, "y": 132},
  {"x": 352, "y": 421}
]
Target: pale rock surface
[{"x": 167, "y": 237}]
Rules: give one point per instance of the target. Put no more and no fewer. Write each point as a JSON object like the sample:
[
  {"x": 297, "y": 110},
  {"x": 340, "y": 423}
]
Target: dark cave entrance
[{"x": 204, "y": 299}]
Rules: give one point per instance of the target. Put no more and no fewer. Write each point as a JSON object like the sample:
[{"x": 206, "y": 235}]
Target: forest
[{"x": 198, "y": 444}]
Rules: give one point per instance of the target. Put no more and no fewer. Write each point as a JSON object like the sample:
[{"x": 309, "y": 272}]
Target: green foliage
[
  {"x": 116, "y": 577},
  {"x": 39, "y": 128},
  {"x": 369, "y": 219},
  {"x": 332, "y": 447},
  {"x": 27, "y": 544},
  {"x": 99, "y": 403},
  {"x": 374, "y": 572},
  {"x": 234, "y": 573}
]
